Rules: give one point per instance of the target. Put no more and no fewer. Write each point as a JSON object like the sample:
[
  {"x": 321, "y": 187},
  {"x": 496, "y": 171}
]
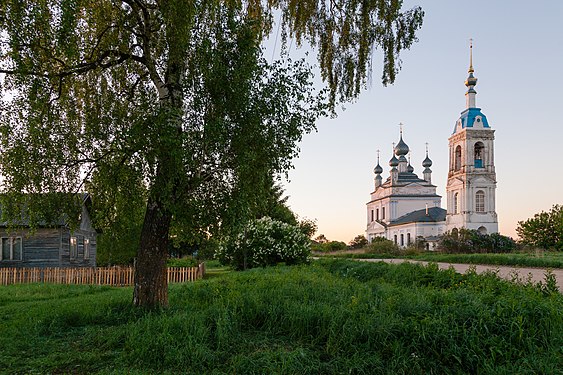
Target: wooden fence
[{"x": 114, "y": 276}]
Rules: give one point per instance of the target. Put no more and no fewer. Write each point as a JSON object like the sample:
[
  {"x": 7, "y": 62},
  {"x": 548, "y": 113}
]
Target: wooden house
[{"x": 55, "y": 246}]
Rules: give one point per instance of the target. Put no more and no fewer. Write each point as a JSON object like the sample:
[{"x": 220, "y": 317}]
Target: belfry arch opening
[
  {"x": 457, "y": 158},
  {"x": 479, "y": 151}
]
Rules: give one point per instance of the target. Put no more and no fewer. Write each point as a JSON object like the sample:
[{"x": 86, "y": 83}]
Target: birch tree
[{"x": 174, "y": 96}]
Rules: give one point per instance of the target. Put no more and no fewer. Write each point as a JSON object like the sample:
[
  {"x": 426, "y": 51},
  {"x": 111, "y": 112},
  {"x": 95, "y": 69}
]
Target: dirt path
[{"x": 506, "y": 272}]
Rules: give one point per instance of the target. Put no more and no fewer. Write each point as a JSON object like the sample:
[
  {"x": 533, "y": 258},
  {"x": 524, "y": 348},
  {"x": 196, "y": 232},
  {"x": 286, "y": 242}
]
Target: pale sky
[{"x": 518, "y": 60}]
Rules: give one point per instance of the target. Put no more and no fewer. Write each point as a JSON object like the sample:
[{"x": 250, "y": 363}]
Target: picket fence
[{"x": 114, "y": 276}]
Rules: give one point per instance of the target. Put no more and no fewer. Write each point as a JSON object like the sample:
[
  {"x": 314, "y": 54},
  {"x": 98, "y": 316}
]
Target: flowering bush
[{"x": 265, "y": 242}]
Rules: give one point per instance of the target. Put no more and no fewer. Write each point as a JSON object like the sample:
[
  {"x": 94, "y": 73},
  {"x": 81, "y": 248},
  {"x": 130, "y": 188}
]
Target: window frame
[
  {"x": 86, "y": 248},
  {"x": 480, "y": 201},
  {"x": 12, "y": 240},
  {"x": 73, "y": 247},
  {"x": 457, "y": 158}
]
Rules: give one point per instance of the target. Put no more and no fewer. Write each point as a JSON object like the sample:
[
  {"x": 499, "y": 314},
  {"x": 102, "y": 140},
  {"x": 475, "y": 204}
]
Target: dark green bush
[
  {"x": 472, "y": 241},
  {"x": 328, "y": 246},
  {"x": 380, "y": 245}
]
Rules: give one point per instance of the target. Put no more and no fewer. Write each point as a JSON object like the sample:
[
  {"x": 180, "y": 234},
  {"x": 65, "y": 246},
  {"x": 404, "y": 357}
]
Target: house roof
[
  {"x": 405, "y": 178},
  {"x": 435, "y": 214}
]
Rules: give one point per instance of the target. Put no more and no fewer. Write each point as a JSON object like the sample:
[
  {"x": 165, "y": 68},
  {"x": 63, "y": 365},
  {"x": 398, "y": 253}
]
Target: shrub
[
  {"x": 265, "y": 242},
  {"x": 380, "y": 245},
  {"x": 358, "y": 242},
  {"x": 328, "y": 246},
  {"x": 472, "y": 241},
  {"x": 335, "y": 246}
]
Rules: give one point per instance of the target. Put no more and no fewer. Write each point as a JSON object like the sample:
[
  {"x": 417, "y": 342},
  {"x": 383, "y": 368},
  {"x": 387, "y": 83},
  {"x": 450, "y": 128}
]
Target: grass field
[
  {"x": 543, "y": 259},
  {"x": 332, "y": 317}
]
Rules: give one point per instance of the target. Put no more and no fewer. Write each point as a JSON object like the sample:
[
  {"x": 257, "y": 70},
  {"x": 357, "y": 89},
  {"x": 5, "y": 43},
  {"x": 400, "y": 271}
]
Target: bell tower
[{"x": 471, "y": 187}]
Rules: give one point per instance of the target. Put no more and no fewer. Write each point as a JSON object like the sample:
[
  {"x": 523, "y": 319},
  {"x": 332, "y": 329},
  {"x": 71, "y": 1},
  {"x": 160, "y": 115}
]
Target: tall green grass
[{"x": 332, "y": 317}]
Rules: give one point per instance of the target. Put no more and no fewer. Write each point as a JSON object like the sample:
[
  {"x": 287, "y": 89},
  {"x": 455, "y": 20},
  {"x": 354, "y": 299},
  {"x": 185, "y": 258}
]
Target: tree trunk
[{"x": 151, "y": 282}]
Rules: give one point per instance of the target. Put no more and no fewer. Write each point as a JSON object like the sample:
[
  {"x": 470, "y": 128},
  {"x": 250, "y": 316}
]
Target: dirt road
[{"x": 507, "y": 272}]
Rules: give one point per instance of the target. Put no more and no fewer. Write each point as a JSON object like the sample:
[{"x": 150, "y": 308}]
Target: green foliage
[
  {"x": 265, "y": 242},
  {"x": 544, "y": 230},
  {"x": 308, "y": 227},
  {"x": 328, "y": 246},
  {"x": 472, "y": 241},
  {"x": 381, "y": 245},
  {"x": 358, "y": 242},
  {"x": 182, "y": 262},
  {"x": 333, "y": 317},
  {"x": 118, "y": 208}
]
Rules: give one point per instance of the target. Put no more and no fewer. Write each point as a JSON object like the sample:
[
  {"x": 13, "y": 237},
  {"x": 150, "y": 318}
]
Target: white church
[{"x": 406, "y": 207}]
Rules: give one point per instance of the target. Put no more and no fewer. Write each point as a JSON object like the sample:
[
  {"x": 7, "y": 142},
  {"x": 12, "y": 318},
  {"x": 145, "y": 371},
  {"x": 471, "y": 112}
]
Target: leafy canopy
[{"x": 544, "y": 230}]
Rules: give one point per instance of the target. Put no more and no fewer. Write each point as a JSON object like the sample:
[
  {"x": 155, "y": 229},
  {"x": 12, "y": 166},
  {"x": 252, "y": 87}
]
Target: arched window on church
[
  {"x": 457, "y": 162},
  {"x": 456, "y": 197},
  {"x": 479, "y": 151},
  {"x": 480, "y": 201}
]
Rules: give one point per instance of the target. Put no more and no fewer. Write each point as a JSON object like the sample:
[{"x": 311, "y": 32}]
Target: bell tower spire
[{"x": 471, "y": 81}]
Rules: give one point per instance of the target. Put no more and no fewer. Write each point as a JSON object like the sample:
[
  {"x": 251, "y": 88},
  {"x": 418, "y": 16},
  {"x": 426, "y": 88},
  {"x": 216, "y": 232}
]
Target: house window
[
  {"x": 86, "y": 248},
  {"x": 457, "y": 165},
  {"x": 456, "y": 195},
  {"x": 383, "y": 214},
  {"x": 479, "y": 151},
  {"x": 73, "y": 248},
  {"x": 371, "y": 215},
  {"x": 408, "y": 239},
  {"x": 11, "y": 248},
  {"x": 377, "y": 213},
  {"x": 480, "y": 201},
  {"x": 395, "y": 239},
  {"x": 402, "y": 240}
]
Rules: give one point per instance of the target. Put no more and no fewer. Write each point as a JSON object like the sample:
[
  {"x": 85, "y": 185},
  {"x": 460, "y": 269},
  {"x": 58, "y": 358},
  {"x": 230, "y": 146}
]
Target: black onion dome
[
  {"x": 427, "y": 162},
  {"x": 377, "y": 169},
  {"x": 401, "y": 148},
  {"x": 393, "y": 162}
]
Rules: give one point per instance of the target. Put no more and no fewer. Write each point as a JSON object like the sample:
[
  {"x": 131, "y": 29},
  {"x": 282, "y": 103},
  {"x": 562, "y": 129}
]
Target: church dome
[
  {"x": 427, "y": 162},
  {"x": 410, "y": 168},
  {"x": 377, "y": 169},
  {"x": 471, "y": 80},
  {"x": 393, "y": 162},
  {"x": 401, "y": 148}
]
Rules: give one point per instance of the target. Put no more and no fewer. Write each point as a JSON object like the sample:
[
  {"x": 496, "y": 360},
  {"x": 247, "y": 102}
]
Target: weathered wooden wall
[{"x": 48, "y": 247}]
